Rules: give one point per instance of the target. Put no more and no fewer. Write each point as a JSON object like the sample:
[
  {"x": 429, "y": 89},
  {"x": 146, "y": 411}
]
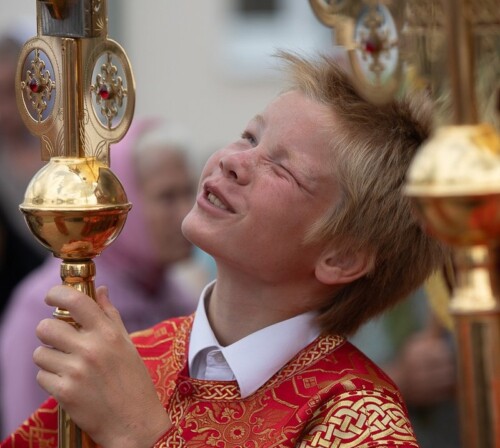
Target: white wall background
[{"x": 195, "y": 63}]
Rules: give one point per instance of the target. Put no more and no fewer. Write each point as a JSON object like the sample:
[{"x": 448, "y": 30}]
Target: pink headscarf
[{"x": 133, "y": 250}]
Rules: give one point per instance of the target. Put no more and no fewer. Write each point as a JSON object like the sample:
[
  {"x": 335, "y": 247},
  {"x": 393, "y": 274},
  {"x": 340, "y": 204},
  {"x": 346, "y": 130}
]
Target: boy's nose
[{"x": 237, "y": 166}]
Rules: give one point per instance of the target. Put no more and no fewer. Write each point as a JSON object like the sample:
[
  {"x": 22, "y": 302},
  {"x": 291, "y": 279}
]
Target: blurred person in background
[
  {"x": 19, "y": 161},
  {"x": 152, "y": 164}
]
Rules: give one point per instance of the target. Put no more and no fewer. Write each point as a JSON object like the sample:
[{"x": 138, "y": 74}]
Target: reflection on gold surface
[
  {"x": 75, "y": 90},
  {"x": 75, "y": 207},
  {"x": 458, "y": 160}
]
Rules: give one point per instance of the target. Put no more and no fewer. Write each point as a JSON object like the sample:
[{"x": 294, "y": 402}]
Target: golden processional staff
[
  {"x": 75, "y": 90},
  {"x": 452, "y": 49}
]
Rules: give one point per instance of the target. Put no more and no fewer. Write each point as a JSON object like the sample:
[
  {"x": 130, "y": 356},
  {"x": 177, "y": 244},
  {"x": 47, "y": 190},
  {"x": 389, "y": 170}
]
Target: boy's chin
[{"x": 191, "y": 231}]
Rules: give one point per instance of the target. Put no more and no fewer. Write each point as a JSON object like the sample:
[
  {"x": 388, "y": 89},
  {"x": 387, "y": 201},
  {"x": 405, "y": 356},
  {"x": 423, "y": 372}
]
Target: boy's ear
[{"x": 335, "y": 268}]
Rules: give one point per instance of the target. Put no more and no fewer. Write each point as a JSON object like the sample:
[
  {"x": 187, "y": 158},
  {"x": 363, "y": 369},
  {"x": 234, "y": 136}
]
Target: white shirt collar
[{"x": 257, "y": 357}]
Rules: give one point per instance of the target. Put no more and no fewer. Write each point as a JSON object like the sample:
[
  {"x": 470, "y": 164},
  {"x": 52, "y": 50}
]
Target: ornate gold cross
[{"x": 75, "y": 86}]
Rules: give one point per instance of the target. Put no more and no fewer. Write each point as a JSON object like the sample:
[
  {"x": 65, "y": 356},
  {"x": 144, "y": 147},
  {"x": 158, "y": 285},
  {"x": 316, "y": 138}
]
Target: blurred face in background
[{"x": 167, "y": 187}]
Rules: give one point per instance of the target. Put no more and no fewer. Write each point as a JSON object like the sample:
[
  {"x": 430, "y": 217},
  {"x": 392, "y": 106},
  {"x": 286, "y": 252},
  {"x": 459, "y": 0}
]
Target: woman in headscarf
[{"x": 154, "y": 169}]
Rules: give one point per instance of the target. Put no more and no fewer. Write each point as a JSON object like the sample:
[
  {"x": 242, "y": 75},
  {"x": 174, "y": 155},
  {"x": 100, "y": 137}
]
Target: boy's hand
[{"x": 96, "y": 374}]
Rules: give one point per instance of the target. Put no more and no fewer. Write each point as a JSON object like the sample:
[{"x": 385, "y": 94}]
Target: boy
[{"x": 305, "y": 217}]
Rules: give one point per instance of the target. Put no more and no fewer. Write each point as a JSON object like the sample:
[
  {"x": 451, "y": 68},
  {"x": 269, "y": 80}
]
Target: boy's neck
[{"x": 242, "y": 306}]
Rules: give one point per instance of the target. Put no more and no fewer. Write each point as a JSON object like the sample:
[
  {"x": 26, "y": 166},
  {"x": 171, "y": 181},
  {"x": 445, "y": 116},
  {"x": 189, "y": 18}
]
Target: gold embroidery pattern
[
  {"x": 231, "y": 424},
  {"x": 164, "y": 383},
  {"x": 209, "y": 414},
  {"x": 171, "y": 440},
  {"x": 173, "y": 334},
  {"x": 358, "y": 418},
  {"x": 307, "y": 357},
  {"x": 176, "y": 409},
  {"x": 185, "y": 394},
  {"x": 36, "y": 432},
  {"x": 216, "y": 391},
  {"x": 329, "y": 395},
  {"x": 181, "y": 341},
  {"x": 164, "y": 349}
]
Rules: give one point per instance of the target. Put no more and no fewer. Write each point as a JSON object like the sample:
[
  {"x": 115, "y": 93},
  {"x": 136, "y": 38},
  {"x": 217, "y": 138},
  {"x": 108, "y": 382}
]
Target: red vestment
[{"x": 328, "y": 395}]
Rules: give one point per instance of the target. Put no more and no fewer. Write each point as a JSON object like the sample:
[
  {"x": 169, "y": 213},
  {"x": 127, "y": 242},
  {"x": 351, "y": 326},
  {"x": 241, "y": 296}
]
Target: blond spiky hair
[{"x": 372, "y": 147}]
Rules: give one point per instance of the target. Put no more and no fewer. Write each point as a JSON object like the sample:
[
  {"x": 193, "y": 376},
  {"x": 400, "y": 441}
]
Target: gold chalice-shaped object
[
  {"x": 454, "y": 182},
  {"x": 75, "y": 207},
  {"x": 75, "y": 90}
]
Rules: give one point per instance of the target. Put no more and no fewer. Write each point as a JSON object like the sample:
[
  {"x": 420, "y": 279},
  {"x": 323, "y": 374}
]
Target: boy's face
[{"x": 258, "y": 196}]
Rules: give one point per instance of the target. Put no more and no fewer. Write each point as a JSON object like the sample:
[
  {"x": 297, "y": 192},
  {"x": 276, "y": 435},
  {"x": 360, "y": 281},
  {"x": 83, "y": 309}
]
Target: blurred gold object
[
  {"x": 75, "y": 90},
  {"x": 451, "y": 49},
  {"x": 455, "y": 184},
  {"x": 439, "y": 296},
  {"x": 370, "y": 33}
]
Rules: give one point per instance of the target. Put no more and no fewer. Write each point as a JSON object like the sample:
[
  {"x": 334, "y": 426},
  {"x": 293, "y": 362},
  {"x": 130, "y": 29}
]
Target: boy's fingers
[
  {"x": 81, "y": 307},
  {"x": 102, "y": 299},
  {"x": 56, "y": 333}
]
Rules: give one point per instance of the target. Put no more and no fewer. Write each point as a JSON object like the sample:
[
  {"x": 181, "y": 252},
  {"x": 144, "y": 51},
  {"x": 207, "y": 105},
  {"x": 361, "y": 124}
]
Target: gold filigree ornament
[
  {"x": 39, "y": 95},
  {"x": 370, "y": 31},
  {"x": 38, "y": 85},
  {"x": 110, "y": 94},
  {"x": 109, "y": 91},
  {"x": 84, "y": 120}
]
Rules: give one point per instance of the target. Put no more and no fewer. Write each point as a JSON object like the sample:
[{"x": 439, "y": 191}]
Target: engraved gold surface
[
  {"x": 454, "y": 183},
  {"x": 72, "y": 125},
  {"x": 430, "y": 51},
  {"x": 75, "y": 206}
]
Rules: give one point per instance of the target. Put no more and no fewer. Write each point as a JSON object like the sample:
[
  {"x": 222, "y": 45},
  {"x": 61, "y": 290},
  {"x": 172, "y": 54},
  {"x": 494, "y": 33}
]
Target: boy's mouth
[{"x": 213, "y": 199}]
